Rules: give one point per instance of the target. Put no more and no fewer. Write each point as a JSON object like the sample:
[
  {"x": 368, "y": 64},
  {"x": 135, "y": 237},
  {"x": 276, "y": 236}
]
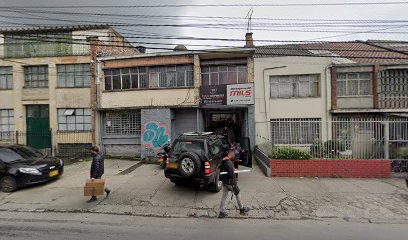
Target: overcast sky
[{"x": 264, "y": 29}]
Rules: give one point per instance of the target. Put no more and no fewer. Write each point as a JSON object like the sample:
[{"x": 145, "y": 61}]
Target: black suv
[{"x": 195, "y": 158}]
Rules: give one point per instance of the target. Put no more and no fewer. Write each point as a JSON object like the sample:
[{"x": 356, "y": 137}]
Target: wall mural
[{"x": 156, "y": 134}]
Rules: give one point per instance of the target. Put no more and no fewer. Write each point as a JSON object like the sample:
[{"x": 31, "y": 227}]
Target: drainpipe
[{"x": 265, "y": 93}]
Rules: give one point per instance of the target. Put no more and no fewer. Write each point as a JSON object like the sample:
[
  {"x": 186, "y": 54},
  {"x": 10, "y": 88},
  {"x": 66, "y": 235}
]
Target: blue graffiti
[{"x": 155, "y": 135}]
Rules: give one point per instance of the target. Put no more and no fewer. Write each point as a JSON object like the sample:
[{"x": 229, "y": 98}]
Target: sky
[{"x": 270, "y": 24}]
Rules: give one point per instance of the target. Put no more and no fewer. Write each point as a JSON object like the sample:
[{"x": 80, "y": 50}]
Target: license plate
[
  {"x": 172, "y": 166},
  {"x": 54, "y": 173}
]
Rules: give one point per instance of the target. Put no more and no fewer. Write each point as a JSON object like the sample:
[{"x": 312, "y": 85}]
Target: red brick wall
[{"x": 331, "y": 168}]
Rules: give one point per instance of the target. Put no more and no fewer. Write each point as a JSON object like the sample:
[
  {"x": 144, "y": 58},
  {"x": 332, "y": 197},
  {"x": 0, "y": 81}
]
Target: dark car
[
  {"x": 195, "y": 158},
  {"x": 23, "y": 166}
]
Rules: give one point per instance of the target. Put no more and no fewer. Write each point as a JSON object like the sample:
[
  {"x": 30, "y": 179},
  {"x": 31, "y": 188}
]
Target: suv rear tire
[
  {"x": 189, "y": 164},
  {"x": 217, "y": 185}
]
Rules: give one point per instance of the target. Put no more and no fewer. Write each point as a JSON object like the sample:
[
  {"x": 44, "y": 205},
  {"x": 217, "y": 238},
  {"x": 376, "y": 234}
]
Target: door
[
  {"x": 185, "y": 121},
  {"x": 38, "y": 126}
]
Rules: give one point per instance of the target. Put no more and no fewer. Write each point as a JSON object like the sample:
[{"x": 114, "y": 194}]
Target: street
[{"x": 19, "y": 225}]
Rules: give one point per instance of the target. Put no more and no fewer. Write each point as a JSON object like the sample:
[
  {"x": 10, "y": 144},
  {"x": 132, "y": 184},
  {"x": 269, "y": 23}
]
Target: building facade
[
  {"x": 147, "y": 100},
  {"x": 46, "y": 84}
]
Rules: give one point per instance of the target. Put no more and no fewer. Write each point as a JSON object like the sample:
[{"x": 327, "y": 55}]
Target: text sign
[
  {"x": 240, "y": 94},
  {"x": 213, "y": 95}
]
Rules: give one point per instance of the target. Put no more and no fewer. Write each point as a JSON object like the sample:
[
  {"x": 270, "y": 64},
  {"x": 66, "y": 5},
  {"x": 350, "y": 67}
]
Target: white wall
[{"x": 267, "y": 108}]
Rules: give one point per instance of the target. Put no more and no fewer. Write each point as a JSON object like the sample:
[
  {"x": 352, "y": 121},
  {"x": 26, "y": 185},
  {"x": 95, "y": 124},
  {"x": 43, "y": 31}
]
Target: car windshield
[
  {"x": 8, "y": 155},
  {"x": 189, "y": 146},
  {"x": 27, "y": 152}
]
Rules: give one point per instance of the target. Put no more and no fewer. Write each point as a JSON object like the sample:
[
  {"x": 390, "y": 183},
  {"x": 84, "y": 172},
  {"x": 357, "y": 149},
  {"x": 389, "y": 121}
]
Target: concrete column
[
  {"x": 53, "y": 114},
  {"x": 197, "y": 79}
]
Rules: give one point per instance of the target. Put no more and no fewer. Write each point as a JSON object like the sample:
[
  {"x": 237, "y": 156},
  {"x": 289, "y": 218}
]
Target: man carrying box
[{"x": 97, "y": 169}]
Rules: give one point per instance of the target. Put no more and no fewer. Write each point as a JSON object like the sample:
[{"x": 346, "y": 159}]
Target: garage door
[{"x": 185, "y": 121}]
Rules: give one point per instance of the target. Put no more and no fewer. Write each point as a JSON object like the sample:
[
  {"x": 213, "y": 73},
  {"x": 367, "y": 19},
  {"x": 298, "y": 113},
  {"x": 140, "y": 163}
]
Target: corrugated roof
[
  {"x": 281, "y": 51},
  {"x": 356, "y": 51},
  {"x": 54, "y": 28}
]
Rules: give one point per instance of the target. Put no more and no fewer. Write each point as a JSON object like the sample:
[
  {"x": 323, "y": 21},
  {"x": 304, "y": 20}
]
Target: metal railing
[
  {"x": 345, "y": 138},
  {"x": 65, "y": 144}
]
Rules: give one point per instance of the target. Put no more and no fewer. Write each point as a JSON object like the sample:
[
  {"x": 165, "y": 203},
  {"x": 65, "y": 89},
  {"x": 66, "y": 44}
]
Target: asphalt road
[{"x": 67, "y": 226}]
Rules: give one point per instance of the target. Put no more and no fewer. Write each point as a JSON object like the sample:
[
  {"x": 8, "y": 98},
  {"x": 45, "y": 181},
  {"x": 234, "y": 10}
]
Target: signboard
[
  {"x": 213, "y": 95},
  {"x": 240, "y": 94}
]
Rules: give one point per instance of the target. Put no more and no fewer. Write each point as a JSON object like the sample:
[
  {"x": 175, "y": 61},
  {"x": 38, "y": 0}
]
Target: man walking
[
  {"x": 97, "y": 169},
  {"x": 230, "y": 183}
]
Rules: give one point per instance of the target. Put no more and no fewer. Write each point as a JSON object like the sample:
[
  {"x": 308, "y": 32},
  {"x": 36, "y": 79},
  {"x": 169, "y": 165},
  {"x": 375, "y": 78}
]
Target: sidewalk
[{"x": 146, "y": 192}]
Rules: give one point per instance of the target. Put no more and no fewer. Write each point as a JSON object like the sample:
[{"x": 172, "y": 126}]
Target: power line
[{"x": 219, "y": 5}]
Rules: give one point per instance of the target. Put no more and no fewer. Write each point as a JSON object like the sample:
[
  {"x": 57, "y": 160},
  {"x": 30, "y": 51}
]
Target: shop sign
[
  {"x": 213, "y": 95},
  {"x": 240, "y": 94}
]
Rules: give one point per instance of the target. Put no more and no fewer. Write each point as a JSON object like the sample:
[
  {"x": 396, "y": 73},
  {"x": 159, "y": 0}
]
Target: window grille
[
  {"x": 295, "y": 86},
  {"x": 354, "y": 84},
  {"x": 74, "y": 75},
  {"x": 393, "y": 88},
  {"x": 6, "y": 78},
  {"x": 295, "y": 130},
  {"x": 36, "y": 76},
  {"x": 122, "y": 123},
  {"x": 78, "y": 119}
]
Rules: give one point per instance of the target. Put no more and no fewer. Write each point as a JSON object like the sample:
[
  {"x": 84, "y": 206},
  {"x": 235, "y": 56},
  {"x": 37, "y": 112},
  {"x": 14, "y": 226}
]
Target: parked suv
[{"x": 195, "y": 158}]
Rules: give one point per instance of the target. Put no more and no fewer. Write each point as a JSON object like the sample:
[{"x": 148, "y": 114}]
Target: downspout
[{"x": 265, "y": 93}]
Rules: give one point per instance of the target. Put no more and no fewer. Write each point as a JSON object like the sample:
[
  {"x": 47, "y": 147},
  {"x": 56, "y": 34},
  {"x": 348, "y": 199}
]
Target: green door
[{"x": 38, "y": 126}]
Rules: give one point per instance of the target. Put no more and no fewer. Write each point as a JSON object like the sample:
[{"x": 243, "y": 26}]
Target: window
[
  {"x": 6, "y": 78},
  {"x": 295, "y": 130},
  {"x": 149, "y": 77},
  {"x": 221, "y": 75},
  {"x": 122, "y": 123},
  {"x": 6, "y": 124},
  {"x": 36, "y": 76},
  {"x": 354, "y": 84},
  {"x": 74, "y": 75},
  {"x": 295, "y": 86},
  {"x": 188, "y": 146},
  {"x": 74, "y": 119},
  {"x": 39, "y": 44}
]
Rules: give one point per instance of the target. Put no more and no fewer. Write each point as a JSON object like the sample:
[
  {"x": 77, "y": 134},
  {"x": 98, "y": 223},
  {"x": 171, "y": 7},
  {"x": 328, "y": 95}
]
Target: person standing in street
[
  {"x": 230, "y": 184},
  {"x": 97, "y": 169}
]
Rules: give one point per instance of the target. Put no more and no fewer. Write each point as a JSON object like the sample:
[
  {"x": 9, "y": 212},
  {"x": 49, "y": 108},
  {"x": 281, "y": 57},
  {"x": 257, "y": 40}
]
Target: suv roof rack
[{"x": 197, "y": 133}]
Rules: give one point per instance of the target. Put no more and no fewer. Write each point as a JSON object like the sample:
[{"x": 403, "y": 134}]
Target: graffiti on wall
[{"x": 155, "y": 134}]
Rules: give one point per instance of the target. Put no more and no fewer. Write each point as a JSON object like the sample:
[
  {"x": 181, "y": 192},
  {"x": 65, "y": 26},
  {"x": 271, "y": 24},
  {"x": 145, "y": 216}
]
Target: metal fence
[
  {"x": 346, "y": 138},
  {"x": 64, "y": 144}
]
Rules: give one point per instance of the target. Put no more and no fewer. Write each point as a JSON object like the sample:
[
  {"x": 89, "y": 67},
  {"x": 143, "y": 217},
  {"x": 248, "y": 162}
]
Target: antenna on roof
[{"x": 249, "y": 16}]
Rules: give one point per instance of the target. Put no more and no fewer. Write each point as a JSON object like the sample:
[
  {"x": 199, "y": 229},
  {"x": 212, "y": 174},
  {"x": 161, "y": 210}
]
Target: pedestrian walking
[
  {"x": 230, "y": 184},
  {"x": 97, "y": 169}
]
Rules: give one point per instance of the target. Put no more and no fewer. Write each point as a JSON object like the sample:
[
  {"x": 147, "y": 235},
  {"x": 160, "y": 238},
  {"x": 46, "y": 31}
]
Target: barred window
[
  {"x": 122, "y": 123},
  {"x": 295, "y": 86},
  {"x": 295, "y": 130},
  {"x": 74, "y": 119},
  {"x": 354, "y": 84},
  {"x": 74, "y": 75},
  {"x": 6, "y": 78},
  {"x": 6, "y": 123},
  {"x": 221, "y": 75},
  {"x": 149, "y": 77},
  {"x": 36, "y": 76}
]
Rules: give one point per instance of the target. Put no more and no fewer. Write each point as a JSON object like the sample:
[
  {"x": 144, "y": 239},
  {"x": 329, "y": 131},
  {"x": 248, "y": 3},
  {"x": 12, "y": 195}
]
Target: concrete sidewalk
[{"x": 146, "y": 192}]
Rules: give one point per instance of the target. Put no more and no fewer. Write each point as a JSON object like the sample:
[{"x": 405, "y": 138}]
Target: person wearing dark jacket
[
  {"x": 230, "y": 184},
  {"x": 97, "y": 169}
]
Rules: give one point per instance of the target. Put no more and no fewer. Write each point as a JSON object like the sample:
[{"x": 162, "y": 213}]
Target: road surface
[{"x": 67, "y": 226}]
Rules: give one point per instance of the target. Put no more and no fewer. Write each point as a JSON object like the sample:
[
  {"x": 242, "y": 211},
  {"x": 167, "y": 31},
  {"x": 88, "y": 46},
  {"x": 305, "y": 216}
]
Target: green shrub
[
  {"x": 287, "y": 153},
  {"x": 328, "y": 149},
  {"x": 403, "y": 153}
]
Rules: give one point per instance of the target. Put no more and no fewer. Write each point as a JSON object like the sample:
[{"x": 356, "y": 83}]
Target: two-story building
[
  {"x": 146, "y": 100},
  {"x": 46, "y": 83},
  {"x": 310, "y": 93}
]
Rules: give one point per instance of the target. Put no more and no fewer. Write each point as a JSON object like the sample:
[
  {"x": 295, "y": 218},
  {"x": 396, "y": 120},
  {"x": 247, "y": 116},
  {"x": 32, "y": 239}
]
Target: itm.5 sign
[{"x": 240, "y": 94}]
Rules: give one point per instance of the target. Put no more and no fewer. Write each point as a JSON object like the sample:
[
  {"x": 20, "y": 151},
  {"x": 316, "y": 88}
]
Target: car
[
  {"x": 195, "y": 158},
  {"x": 22, "y": 166}
]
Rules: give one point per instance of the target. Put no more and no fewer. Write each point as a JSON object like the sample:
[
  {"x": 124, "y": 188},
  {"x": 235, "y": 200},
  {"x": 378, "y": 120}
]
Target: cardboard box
[{"x": 95, "y": 187}]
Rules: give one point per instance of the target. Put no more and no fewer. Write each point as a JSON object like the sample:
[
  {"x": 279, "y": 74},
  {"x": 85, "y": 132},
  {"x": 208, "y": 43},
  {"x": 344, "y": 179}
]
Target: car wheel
[
  {"x": 217, "y": 185},
  {"x": 8, "y": 184},
  {"x": 189, "y": 164}
]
